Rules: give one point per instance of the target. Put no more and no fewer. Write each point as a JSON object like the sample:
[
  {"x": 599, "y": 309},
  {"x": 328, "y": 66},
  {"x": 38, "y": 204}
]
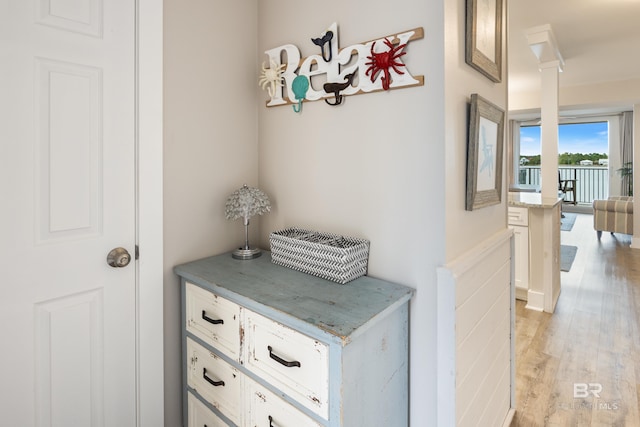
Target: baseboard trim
[
  {"x": 511, "y": 416},
  {"x": 535, "y": 300},
  {"x": 521, "y": 293}
]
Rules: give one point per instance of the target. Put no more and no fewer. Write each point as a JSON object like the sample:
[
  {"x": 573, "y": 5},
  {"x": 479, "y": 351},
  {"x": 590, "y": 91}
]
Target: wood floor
[{"x": 592, "y": 340}]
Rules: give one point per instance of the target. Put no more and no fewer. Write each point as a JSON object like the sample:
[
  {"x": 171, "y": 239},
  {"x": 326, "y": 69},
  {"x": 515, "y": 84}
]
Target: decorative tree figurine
[{"x": 245, "y": 203}]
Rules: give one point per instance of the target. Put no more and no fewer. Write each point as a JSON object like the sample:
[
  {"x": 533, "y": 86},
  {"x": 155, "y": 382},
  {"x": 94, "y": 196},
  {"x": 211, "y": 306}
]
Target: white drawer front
[
  {"x": 200, "y": 415},
  {"x": 268, "y": 410},
  {"x": 213, "y": 319},
  {"x": 291, "y": 361},
  {"x": 518, "y": 216},
  {"x": 214, "y": 379}
]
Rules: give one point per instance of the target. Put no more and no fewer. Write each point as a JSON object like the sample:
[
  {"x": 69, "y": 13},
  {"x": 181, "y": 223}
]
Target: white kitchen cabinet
[
  {"x": 519, "y": 223},
  {"x": 264, "y": 345},
  {"x": 536, "y": 224}
]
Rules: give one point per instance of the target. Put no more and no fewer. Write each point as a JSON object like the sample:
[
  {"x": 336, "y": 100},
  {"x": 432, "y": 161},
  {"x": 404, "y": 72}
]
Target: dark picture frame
[
  {"x": 484, "y": 37},
  {"x": 485, "y": 146}
]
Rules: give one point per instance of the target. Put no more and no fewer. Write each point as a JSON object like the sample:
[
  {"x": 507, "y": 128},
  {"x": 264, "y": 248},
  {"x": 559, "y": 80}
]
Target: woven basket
[{"x": 330, "y": 256}]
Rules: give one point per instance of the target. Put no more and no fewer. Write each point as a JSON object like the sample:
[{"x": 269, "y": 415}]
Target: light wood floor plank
[{"x": 593, "y": 338}]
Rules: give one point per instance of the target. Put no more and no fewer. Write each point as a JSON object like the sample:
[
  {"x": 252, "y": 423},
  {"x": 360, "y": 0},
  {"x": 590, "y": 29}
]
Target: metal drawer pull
[
  {"x": 210, "y": 320},
  {"x": 282, "y": 361},
  {"x": 209, "y": 380}
]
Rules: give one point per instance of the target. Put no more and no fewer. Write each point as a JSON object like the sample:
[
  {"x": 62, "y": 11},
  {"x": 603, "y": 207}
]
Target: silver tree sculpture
[{"x": 245, "y": 203}]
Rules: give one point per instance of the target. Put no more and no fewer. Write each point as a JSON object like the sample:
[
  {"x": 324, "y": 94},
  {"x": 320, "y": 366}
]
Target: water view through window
[{"x": 583, "y": 150}]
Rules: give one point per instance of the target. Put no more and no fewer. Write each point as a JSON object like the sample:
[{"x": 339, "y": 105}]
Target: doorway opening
[{"x": 583, "y": 159}]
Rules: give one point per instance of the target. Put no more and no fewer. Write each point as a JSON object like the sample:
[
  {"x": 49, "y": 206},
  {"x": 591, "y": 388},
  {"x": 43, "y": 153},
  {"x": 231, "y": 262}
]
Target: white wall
[
  {"x": 210, "y": 140},
  {"x": 604, "y": 94},
  {"x": 475, "y": 344},
  {"x": 472, "y": 390},
  {"x": 389, "y": 167},
  {"x": 372, "y": 167},
  {"x": 466, "y": 229}
]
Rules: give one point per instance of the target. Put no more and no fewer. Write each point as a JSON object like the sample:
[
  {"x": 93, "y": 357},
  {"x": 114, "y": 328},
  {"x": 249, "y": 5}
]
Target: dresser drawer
[
  {"x": 213, "y": 319},
  {"x": 291, "y": 361},
  {"x": 268, "y": 410},
  {"x": 518, "y": 216},
  {"x": 200, "y": 415},
  {"x": 214, "y": 379}
]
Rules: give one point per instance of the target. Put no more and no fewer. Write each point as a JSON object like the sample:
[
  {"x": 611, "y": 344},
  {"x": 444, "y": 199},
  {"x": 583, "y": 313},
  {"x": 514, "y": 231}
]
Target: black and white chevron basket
[{"x": 330, "y": 256}]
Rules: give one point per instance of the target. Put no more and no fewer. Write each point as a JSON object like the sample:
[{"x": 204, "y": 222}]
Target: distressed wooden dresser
[{"x": 267, "y": 346}]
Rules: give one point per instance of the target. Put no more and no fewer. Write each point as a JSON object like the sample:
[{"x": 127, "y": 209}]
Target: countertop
[{"x": 532, "y": 200}]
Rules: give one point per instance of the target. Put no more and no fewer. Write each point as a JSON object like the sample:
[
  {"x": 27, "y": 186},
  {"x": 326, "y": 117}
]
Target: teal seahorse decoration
[{"x": 300, "y": 86}]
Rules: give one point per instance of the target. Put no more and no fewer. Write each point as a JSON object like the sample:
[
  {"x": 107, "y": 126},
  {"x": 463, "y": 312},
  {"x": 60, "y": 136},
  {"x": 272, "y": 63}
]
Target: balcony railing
[{"x": 592, "y": 182}]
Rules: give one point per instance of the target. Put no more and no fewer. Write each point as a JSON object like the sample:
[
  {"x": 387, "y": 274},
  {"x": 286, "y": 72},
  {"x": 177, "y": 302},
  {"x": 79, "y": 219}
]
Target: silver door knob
[{"x": 118, "y": 258}]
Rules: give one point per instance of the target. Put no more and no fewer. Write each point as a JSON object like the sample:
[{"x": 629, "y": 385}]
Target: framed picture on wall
[
  {"x": 484, "y": 154},
  {"x": 484, "y": 37}
]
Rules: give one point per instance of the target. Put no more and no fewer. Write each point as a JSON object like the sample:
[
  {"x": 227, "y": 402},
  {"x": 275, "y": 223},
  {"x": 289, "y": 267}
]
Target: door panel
[
  {"x": 69, "y": 150},
  {"x": 69, "y": 343},
  {"x": 67, "y": 177},
  {"x": 82, "y": 16}
]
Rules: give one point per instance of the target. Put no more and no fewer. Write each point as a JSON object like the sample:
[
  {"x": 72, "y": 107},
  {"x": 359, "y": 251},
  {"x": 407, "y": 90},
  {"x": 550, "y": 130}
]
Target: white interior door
[{"x": 67, "y": 169}]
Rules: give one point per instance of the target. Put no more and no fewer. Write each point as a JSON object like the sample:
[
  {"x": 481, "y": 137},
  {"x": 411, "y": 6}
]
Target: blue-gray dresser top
[{"x": 337, "y": 309}]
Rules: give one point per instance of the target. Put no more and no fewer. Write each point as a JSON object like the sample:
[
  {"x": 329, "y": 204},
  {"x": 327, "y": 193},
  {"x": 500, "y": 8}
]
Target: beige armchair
[{"x": 614, "y": 215}]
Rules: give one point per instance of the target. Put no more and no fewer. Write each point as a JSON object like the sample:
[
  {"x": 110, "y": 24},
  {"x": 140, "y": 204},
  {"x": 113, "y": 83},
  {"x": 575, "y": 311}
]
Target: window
[{"x": 583, "y": 155}]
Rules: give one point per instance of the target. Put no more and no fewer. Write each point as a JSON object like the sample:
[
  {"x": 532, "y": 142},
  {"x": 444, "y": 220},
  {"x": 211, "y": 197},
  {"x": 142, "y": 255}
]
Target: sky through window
[{"x": 572, "y": 138}]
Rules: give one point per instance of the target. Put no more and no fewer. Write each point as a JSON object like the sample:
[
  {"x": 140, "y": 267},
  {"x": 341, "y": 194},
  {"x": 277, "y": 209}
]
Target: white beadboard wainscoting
[{"x": 476, "y": 321}]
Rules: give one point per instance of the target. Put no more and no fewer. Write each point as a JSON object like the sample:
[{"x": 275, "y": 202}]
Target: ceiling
[{"x": 598, "y": 39}]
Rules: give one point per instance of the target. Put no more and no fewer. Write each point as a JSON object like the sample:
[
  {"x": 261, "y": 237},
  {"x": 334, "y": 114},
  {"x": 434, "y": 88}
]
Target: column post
[
  {"x": 549, "y": 128},
  {"x": 543, "y": 44}
]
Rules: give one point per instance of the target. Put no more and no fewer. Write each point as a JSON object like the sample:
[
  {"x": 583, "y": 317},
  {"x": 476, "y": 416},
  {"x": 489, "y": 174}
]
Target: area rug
[
  {"x": 566, "y": 223},
  {"x": 567, "y": 255}
]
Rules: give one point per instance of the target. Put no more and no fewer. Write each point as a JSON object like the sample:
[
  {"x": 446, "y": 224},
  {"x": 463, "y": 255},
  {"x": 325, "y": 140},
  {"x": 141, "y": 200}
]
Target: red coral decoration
[{"x": 383, "y": 61}]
